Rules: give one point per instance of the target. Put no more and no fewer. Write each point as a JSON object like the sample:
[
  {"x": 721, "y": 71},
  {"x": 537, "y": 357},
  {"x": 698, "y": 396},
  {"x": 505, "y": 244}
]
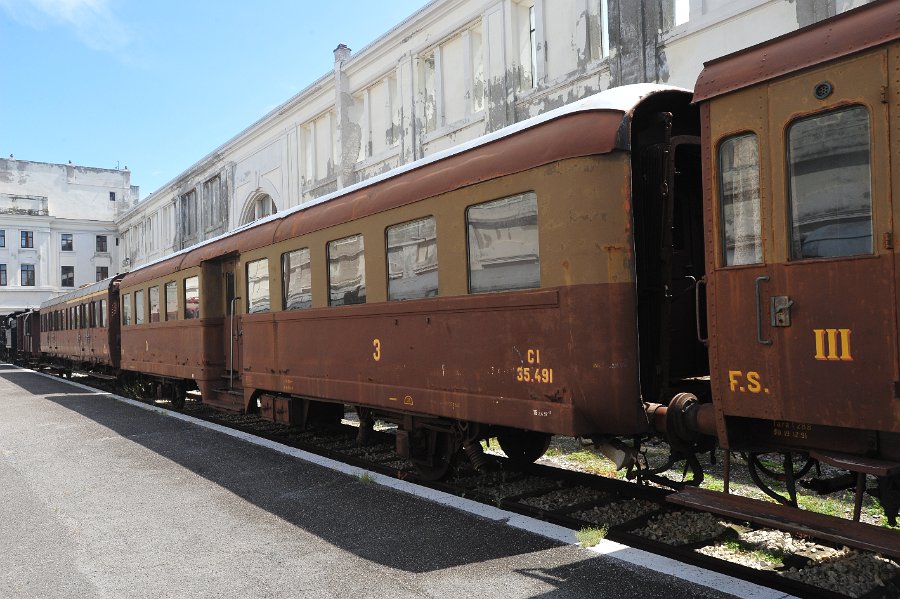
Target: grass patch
[
  {"x": 588, "y": 537},
  {"x": 775, "y": 558},
  {"x": 366, "y": 478}
]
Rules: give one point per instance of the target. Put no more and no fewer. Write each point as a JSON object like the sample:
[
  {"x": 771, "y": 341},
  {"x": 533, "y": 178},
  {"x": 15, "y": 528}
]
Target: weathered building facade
[
  {"x": 57, "y": 228},
  {"x": 453, "y": 71}
]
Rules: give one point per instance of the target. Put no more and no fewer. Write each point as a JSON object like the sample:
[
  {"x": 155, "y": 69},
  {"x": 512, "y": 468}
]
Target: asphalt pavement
[{"x": 103, "y": 498}]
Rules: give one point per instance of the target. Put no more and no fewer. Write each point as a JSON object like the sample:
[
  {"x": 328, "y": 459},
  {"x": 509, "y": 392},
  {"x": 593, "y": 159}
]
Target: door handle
[
  {"x": 759, "y": 331},
  {"x": 697, "y": 285}
]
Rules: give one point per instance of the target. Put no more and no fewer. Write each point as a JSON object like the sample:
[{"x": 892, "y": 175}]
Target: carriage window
[
  {"x": 103, "y": 313},
  {"x": 503, "y": 244},
  {"x": 126, "y": 309},
  {"x": 139, "y": 314},
  {"x": 92, "y": 314},
  {"x": 258, "y": 286},
  {"x": 296, "y": 278},
  {"x": 192, "y": 297},
  {"x": 154, "y": 304},
  {"x": 739, "y": 200},
  {"x": 347, "y": 271},
  {"x": 171, "y": 301},
  {"x": 830, "y": 185},
  {"x": 412, "y": 260}
]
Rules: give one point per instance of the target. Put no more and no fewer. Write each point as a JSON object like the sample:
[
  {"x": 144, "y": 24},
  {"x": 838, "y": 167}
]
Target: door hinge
[{"x": 888, "y": 241}]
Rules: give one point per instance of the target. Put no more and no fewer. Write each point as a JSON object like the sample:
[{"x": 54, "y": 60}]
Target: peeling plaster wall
[{"x": 453, "y": 71}]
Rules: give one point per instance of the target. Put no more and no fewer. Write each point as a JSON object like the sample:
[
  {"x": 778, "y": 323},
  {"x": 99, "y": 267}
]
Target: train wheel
[
  {"x": 523, "y": 447},
  {"x": 435, "y": 464},
  {"x": 178, "y": 395}
]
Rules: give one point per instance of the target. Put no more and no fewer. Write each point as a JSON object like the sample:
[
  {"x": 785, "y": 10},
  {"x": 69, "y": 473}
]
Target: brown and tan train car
[
  {"x": 800, "y": 137},
  {"x": 510, "y": 283},
  {"x": 79, "y": 330}
]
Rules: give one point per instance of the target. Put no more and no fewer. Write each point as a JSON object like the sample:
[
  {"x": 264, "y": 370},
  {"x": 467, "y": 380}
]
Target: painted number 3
[{"x": 376, "y": 345}]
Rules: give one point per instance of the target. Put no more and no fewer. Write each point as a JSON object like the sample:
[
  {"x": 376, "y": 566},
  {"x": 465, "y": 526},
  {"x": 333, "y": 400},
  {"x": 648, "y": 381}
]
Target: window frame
[
  {"x": 251, "y": 301},
  {"x": 362, "y": 255},
  {"x": 173, "y": 285},
  {"x": 27, "y": 240},
  {"x": 66, "y": 242},
  {"x": 285, "y": 282},
  {"x": 150, "y": 304},
  {"x": 722, "y": 251},
  {"x": 387, "y": 256},
  {"x": 29, "y": 268},
  {"x": 64, "y": 276},
  {"x": 789, "y": 185},
  {"x": 194, "y": 313},
  {"x": 469, "y": 282}
]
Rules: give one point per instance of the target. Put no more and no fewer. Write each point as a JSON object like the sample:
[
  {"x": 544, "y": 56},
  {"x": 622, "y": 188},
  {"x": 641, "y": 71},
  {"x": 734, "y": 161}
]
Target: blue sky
[{"x": 156, "y": 85}]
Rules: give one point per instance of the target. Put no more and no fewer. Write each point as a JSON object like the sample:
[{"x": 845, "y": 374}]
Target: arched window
[{"x": 257, "y": 208}]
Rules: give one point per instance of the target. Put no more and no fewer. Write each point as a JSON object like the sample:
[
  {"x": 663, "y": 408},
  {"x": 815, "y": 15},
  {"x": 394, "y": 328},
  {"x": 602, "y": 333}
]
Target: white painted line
[{"x": 638, "y": 557}]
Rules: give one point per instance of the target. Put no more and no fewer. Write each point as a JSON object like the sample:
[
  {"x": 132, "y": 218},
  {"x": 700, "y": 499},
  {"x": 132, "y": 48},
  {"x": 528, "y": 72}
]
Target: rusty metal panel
[
  {"x": 560, "y": 360},
  {"x": 857, "y": 30},
  {"x": 188, "y": 349}
]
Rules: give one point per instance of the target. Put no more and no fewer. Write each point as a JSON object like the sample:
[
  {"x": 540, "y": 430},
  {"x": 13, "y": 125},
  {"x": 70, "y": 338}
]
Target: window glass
[
  {"x": 101, "y": 243},
  {"x": 153, "y": 297},
  {"x": 830, "y": 176},
  {"x": 126, "y": 309},
  {"x": 139, "y": 314},
  {"x": 104, "y": 313},
  {"x": 347, "y": 271},
  {"x": 27, "y": 272},
  {"x": 171, "y": 301},
  {"x": 739, "y": 200},
  {"x": 503, "y": 244},
  {"x": 296, "y": 278},
  {"x": 412, "y": 260},
  {"x": 192, "y": 297},
  {"x": 68, "y": 276},
  {"x": 258, "y": 286},
  {"x": 67, "y": 243}
]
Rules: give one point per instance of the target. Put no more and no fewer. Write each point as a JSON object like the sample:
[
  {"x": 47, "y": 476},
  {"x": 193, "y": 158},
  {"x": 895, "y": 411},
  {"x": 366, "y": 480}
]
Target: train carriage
[
  {"x": 497, "y": 285},
  {"x": 79, "y": 330},
  {"x": 801, "y": 167}
]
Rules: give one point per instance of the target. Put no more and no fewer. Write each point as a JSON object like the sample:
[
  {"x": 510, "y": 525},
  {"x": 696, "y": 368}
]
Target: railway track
[{"x": 596, "y": 507}]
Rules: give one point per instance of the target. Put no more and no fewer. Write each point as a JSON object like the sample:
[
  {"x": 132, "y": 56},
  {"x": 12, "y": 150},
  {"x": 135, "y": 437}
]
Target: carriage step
[{"x": 853, "y": 534}]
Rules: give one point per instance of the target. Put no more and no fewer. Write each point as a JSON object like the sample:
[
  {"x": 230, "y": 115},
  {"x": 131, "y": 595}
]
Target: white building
[
  {"x": 454, "y": 70},
  {"x": 57, "y": 228}
]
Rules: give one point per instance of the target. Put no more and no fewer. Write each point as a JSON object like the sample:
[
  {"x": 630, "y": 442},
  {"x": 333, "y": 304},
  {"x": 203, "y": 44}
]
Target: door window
[
  {"x": 739, "y": 200},
  {"x": 830, "y": 184}
]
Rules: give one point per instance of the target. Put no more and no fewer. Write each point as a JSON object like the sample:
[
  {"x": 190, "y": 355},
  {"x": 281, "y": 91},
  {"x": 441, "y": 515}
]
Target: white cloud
[{"x": 92, "y": 21}]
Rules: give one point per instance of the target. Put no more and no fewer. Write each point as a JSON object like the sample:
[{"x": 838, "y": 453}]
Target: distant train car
[
  {"x": 507, "y": 287},
  {"x": 79, "y": 330}
]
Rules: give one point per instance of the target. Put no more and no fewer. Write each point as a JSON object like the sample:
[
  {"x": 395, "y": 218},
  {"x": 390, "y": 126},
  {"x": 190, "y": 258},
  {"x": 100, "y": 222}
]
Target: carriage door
[
  {"x": 668, "y": 236},
  {"x": 831, "y": 299},
  {"x": 232, "y": 334},
  {"x": 802, "y": 295}
]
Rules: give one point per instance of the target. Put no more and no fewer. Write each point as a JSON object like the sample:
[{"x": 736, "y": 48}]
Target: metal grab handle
[
  {"x": 231, "y": 343},
  {"x": 697, "y": 284},
  {"x": 759, "y": 331}
]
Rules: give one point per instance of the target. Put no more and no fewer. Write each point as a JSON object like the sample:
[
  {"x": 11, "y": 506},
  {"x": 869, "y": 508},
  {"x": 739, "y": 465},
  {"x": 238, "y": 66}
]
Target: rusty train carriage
[
  {"x": 80, "y": 329},
  {"x": 559, "y": 356},
  {"x": 803, "y": 323}
]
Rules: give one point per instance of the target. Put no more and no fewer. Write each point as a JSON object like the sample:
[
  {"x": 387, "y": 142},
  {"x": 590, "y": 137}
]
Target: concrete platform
[{"x": 102, "y": 498}]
